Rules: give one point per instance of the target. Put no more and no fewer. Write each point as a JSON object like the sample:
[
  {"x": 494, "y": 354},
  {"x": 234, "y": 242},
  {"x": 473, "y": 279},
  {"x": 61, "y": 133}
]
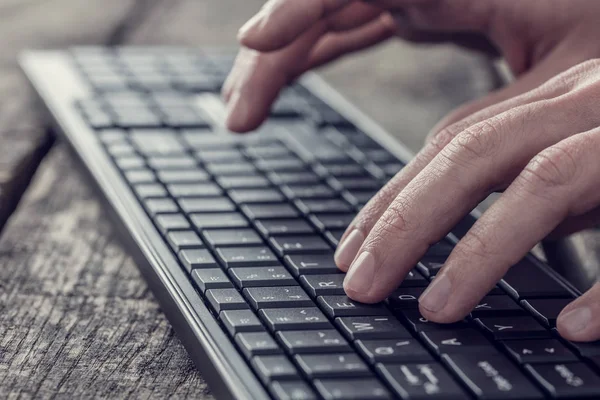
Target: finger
[
  {"x": 480, "y": 160},
  {"x": 233, "y": 76},
  {"x": 374, "y": 209},
  {"x": 336, "y": 45},
  {"x": 580, "y": 320},
  {"x": 547, "y": 191}
]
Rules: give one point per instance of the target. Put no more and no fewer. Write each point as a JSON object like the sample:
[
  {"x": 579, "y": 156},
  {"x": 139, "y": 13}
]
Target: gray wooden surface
[{"x": 76, "y": 319}]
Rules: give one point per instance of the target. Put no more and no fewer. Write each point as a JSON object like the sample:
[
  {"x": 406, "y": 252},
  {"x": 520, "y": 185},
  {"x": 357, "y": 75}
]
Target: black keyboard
[{"x": 252, "y": 222}]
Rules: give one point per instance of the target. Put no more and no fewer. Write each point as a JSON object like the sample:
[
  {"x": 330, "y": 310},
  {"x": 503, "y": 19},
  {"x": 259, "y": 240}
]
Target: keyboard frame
[{"x": 58, "y": 86}]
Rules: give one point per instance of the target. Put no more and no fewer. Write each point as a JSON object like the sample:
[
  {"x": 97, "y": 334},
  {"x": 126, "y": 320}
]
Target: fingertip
[
  {"x": 348, "y": 249},
  {"x": 573, "y": 323}
]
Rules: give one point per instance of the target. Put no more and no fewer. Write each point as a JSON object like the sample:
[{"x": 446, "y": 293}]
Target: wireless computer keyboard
[{"x": 235, "y": 235}]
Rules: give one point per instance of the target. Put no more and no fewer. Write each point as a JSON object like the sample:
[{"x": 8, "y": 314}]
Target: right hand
[{"x": 538, "y": 38}]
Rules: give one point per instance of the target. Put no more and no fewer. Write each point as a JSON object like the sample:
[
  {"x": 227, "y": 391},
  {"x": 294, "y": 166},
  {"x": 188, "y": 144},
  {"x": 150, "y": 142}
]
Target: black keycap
[
  {"x": 459, "y": 341},
  {"x": 391, "y": 351},
  {"x": 430, "y": 266},
  {"x": 294, "y": 318},
  {"x": 490, "y": 376},
  {"x": 499, "y": 306},
  {"x": 566, "y": 381},
  {"x": 249, "y": 196},
  {"x": 231, "y": 237},
  {"x": 193, "y": 259},
  {"x": 229, "y": 169},
  {"x": 236, "y": 321},
  {"x": 160, "y": 206},
  {"x": 587, "y": 350},
  {"x": 311, "y": 264},
  {"x": 376, "y": 327},
  {"x": 323, "y": 285},
  {"x": 417, "y": 323},
  {"x": 140, "y": 176},
  {"x": 269, "y": 211},
  {"x": 318, "y": 341},
  {"x": 211, "y": 278},
  {"x": 332, "y": 221},
  {"x": 406, "y": 298},
  {"x": 275, "y": 367},
  {"x": 359, "y": 183},
  {"x": 332, "y": 365},
  {"x": 414, "y": 279},
  {"x": 225, "y": 299},
  {"x": 318, "y": 191},
  {"x": 352, "y": 389},
  {"x": 243, "y": 182},
  {"x": 283, "y": 227},
  {"x": 182, "y": 176},
  {"x": 334, "y": 236},
  {"x": 171, "y": 222},
  {"x": 358, "y": 197},
  {"x": 538, "y": 351},
  {"x": 513, "y": 327},
  {"x": 179, "y": 190},
  {"x": 177, "y": 163},
  {"x": 285, "y": 245},
  {"x": 206, "y": 205},
  {"x": 441, "y": 249},
  {"x": 323, "y": 206},
  {"x": 518, "y": 279},
  {"x": 150, "y": 190},
  {"x": 340, "y": 170},
  {"x": 257, "y": 344},
  {"x": 545, "y": 310},
  {"x": 423, "y": 381},
  {"x": 255, "y": 256},
  {"x": 183, "y": 240},
  {"x": 277, "y": 297},
  {"x": 219, "y": 220},
  {"x": 343, "y": 306},
  {"x": 293, "y": 390}
]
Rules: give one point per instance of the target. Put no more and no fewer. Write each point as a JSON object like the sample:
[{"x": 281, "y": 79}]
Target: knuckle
[
  {"x": 476, "y": 142},
  {"x": 394, "y": 220},
  {"x": 441, "y": 139},
  {"x": 578, "y": 75},
  {"x": 552, "y": 168}
]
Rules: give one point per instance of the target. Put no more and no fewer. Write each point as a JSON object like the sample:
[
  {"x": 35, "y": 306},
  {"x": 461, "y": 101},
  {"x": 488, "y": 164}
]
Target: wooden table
[{"x": 76, "y": 318}]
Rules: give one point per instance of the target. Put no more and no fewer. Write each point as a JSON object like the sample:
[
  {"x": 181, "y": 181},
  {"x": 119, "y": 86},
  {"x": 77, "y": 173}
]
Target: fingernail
[
  {"x": 360, "y": 276},
  {"x": 435, "y": 297},
  {"x": 576, "y": 320},
  {"x": 252, "y": 24},
  {"x": 237, "y": 110},
  {"x": 347, "y": 250}
]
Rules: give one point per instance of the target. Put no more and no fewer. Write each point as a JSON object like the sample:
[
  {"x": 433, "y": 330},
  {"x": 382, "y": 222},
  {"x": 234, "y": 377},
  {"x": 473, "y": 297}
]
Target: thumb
[{"x": 580, "y": 320}]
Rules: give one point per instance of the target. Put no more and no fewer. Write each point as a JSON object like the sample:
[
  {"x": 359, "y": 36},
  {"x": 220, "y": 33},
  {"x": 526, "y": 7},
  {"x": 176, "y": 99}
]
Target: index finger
[{"x": 280, "y": 22}]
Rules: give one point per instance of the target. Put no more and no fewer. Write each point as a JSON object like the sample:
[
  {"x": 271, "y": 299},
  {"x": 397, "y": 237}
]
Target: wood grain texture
[{"x": 76, "y": 318}]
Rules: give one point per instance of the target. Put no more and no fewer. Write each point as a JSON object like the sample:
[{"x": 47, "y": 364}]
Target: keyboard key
[
  {"x": 423, "y": 381},
  {"x": 441, "y": 249},
  {"x": 358, "y": 183},
  {"x": 285, "y": 245},
  {"x": 417, "y": 323},
  {"x": 149, "y": 190},
  {"x": 206, "y": 205},
  {"x": 243, "y": 182},
  {"x": 279, "y": 319},
  {"x": 332, "y": 365},
  {"x": 518, "y": 279},
  {"x": 130, "y": 162},
  {"x": 277, "y": 297},
  {"x": 295, "y": 390},
  {"x": 281, "y": 165},
  {"x": 193, "y": 259},
  {"x": 156, "y": 142},
  {"x": 406, "y": 298},
  {"x": 219, "y": 220},
  {"x": 230, "y": 169},
  {"x": 182, "y": 176},
  {"x": 261, "y": 276},
  {"x": 269, "y": 211},
  {"x": 267, "y": 151},
  {"x": 183, "y": 240},
  {"x": 225, "y": 299},
  {"x": 231, "y": 237},
  {"x": 566, "y": 381},
  {"x": 587, "y": 350},
  {"x": 334, "y": 236},
  {"x": 179, "y": 190},
  {"x": 311, "y": 264},
  {"x": 332, "y": 221},
  {"x": 545, "y": 310},
  {"x": 352, "y": 389},
  {"x": 160, "y": 206},
  {"x": 121, "y": 150},
  {"x": 513, "y": 327},
  {"x": 256, "y": 256},
  {"x": 376, "y": 327},
  {"x": 414, "y": 279},
  {"x": 283, "y": 227},
  {"x": 140, "y": 176},
  {"x": 220, "y": 156},
  {"x": 249, "y": 196},
  {"x": 318, "y": 191},
  {"x": 211, "y": 278},
  {"x": 323, "y": 206},
  {"x": 498, "y": 306},
  {"x": 257, "y": 344},
  {"x": 318, "y": 341},
  {"x": 538, "y": 351},
  {"x": 274, "y": 367},
  {"x": 389, "y": 351},
  {"x": 323, "y": 285},
  {"x": 343, "y": 306},
  {"x": 176, "y": 163},
  {"x": 492, "y": 376},
  {"x": 171, "y": 222},
  {"x": 293, "y": 178},
  {"x": 460, "y": 341},
  {"x": 430, "y": 266},
  {"x": 236, "y": 321}
]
